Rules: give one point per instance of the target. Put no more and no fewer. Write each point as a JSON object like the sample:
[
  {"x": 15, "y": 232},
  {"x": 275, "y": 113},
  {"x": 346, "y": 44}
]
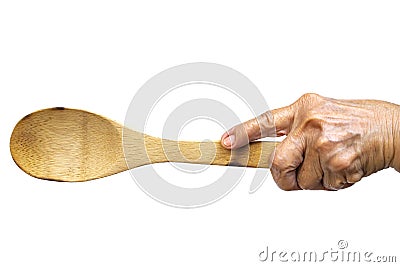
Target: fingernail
[{"x": 229, "y": 140}]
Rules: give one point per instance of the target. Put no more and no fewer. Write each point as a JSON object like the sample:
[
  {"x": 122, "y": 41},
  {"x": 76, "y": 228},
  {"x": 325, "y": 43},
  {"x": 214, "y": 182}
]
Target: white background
[{"x": 94, "y": 55}]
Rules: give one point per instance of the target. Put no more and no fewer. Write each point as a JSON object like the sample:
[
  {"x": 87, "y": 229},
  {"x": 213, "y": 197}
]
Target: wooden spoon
[{"x": 74, "y": 145}]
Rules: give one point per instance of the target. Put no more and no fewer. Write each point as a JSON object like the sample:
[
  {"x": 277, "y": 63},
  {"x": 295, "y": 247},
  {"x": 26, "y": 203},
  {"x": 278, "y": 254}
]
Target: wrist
[
  {"x": 396, "y": 138},
  {"x": 383, "y": 139}
]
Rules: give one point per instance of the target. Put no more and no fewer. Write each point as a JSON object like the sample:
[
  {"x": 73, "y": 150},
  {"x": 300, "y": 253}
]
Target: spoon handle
[{"x": 256, "y": 154}]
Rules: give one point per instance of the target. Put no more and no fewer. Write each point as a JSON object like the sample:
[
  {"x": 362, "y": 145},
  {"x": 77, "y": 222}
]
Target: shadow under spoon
[{"x": 73, "y": 145}]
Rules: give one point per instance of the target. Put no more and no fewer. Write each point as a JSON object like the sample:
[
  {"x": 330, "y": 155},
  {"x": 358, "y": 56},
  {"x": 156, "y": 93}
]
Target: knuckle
[
  {"x": 312, "y": 123},
  {"x": 341, "y": 162},
  {"x": 322, "y": 144},
  {"x": 334, "y": 183},
  {"x": 337, "y": 164},
  {"x": 309, "y": 97},
  {"x": 355, "y": 177},
  {"x": 310, "y": 105}
]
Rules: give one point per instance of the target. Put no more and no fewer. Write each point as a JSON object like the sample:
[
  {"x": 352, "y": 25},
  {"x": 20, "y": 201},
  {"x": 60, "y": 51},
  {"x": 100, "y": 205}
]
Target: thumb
[{"x": 277, "y": 122}]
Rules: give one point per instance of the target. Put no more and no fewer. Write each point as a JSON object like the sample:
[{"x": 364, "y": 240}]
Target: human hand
[{"x": 330, "y": 144}]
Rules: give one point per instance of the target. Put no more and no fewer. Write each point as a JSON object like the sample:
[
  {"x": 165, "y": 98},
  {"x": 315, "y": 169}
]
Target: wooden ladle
[{"x": 74, "y": 145}]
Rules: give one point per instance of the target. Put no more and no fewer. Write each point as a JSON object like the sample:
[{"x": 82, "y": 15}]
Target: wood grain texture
[{"x": 74, "y": 145}]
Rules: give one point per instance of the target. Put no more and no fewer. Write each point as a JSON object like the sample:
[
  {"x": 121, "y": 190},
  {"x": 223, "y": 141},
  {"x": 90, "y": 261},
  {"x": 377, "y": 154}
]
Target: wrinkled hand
[{"x": 330, "y": 144}]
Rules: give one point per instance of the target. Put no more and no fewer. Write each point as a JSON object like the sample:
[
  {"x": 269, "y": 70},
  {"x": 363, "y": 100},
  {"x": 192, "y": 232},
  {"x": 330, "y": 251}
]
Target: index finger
[{"x": 277, "y": 122}]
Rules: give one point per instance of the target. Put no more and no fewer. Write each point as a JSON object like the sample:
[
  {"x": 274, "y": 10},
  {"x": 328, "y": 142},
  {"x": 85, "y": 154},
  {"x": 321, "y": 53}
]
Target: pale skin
[{"x": 330, "y": 144}]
